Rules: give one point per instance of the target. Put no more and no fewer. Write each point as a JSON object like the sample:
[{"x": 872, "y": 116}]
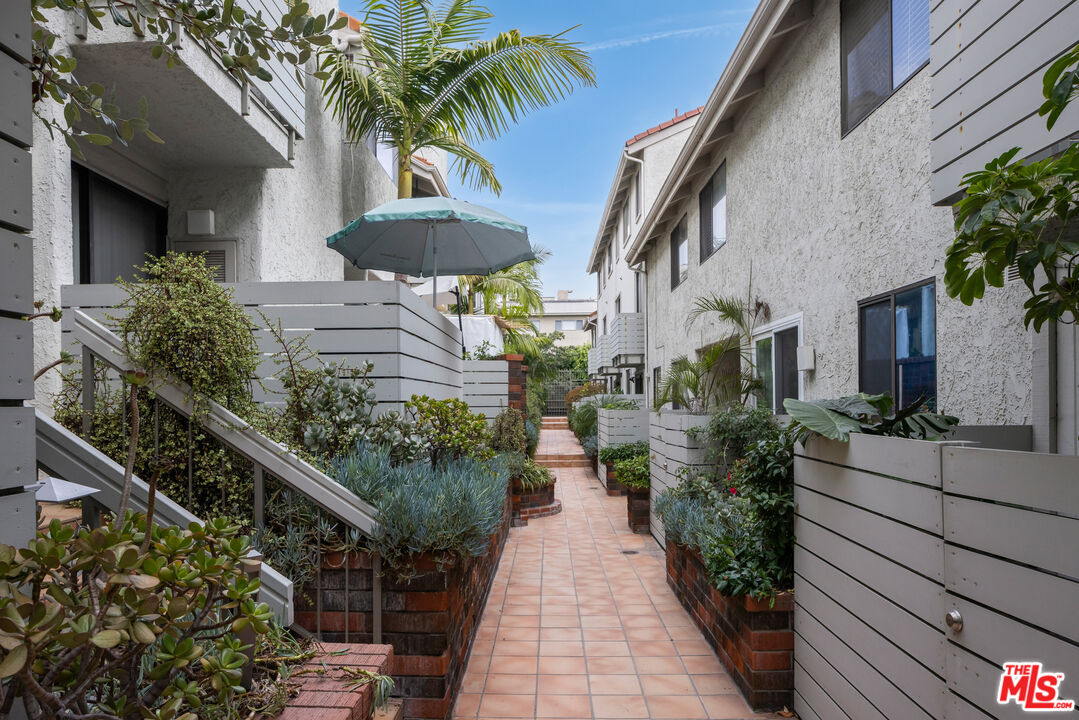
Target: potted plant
[
  {"x": 633, "y": 474},
  {"x": 610, "y": 455}
]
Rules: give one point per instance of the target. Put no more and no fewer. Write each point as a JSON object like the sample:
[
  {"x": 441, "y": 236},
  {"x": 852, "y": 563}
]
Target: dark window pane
[
  {"x": 915, "y": 346},
  {"x": 764, "y": 373},
  {"x": 679, "y": 253},
  {"x": 786, "y": 366},
  {"x": 719, "y": 207},
  {"x": 910, "y": 38},
  {"x": 867, "y": 57},
  {"x": 704, "y": 208},
  {"x": 638, "y": 193},
  {"x": 639, "y": 284},
  {"x": 875, "y": 360}
]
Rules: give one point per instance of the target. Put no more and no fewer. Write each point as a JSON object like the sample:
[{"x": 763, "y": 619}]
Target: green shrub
[
  {"x": 532, "y": 434},
  {"x": 620, "y": 452},
  {"x": 535, "y": 401},
  {"x": 338, "y": 409},
  {"x": 508, "y": 433},
  {"x": 729, "y": 432},
  {"x": 633, "y": 472},
  {"x": 446, "y": 511},
  {"x": 120, "y": 624},
  {"x": 391, "y": 430},
  {"x": 613, "y": 402},
  {"x": 533, "y": 476},
  {"x": 179, "y": 322},
  {"x": 453, "y": 431},
  {"x": 742, "y": 525},
  {"x": 590, "y": 447}
]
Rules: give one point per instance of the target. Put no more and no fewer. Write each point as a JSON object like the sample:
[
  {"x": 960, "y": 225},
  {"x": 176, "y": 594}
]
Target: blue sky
[{"x": 556, "y": 166}]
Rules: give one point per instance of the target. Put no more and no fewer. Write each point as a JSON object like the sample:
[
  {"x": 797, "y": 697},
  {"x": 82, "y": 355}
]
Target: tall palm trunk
[{"x": 404, "y": 173}]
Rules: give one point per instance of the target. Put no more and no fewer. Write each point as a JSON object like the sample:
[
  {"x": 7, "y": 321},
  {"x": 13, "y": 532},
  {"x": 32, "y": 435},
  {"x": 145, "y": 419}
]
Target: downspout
[{"x": 644, "y": 305}]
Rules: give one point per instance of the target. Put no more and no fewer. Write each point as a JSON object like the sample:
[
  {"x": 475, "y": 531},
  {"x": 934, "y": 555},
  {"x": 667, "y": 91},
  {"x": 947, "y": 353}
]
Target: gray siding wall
[
  {"x": 987, "y": 61},
  {"x": 891, "y": 535},
  {"x": 486, "y": 386},
  {"x": 620, "y": 427},
  {"x": 415, "y": 350},
  {"x": 820, "y": 221},
  {"x": 671, "y": 450},
  {"x": 17, "y": 455}
]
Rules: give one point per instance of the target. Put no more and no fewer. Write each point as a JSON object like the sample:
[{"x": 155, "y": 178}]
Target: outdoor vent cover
[
  {"x": 220, "y": 256},
  {"x": 1012, "y": 273}
]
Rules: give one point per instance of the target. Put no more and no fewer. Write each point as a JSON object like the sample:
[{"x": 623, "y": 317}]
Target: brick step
[{"x": 568, "y": 463}]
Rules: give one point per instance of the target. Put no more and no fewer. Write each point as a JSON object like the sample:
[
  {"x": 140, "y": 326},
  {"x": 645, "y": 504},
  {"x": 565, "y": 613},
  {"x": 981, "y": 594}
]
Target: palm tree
[
  {"x": 515, "y": 290},
  {"x": 426, "y": 79},
  {"x": 726, "y": 371}
]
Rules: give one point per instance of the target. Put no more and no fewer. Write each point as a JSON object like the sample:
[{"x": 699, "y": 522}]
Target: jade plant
[
  {"x": 451, "y": 428},
  {"x": 94, "y": 626}
]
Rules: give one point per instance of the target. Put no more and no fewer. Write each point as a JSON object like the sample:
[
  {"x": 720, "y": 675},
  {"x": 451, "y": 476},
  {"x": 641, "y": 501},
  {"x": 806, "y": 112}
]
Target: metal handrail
[{"x": 100, "y": 343}]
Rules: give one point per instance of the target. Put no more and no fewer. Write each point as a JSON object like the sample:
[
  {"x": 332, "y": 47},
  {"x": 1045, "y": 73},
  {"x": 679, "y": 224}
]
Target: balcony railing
[{"x": 626, "y": 344}]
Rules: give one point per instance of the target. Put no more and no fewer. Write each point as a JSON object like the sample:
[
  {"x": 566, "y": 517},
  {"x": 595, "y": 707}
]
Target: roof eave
[{"x": 767, "y": 24}]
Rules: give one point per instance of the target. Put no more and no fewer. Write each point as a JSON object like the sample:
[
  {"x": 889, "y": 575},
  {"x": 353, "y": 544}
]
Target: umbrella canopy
[{"x": 428, "y": 236}]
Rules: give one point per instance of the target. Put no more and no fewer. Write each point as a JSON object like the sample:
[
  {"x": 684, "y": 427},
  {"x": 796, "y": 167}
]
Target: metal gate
[
  {"x": 922, "y": 568},
  {"x": 557, "y": 387}
]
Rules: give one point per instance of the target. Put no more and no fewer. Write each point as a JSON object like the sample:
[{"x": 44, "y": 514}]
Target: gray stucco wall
[
  {"x": 279, "y": 217},
  {"x": 823, "y": 222}
]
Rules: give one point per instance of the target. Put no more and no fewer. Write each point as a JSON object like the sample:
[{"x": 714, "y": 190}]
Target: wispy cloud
[{"x": 664, "y": 35}]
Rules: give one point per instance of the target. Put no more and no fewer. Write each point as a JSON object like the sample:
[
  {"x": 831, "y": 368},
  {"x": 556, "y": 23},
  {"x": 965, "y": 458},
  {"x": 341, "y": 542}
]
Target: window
[
  {"x": 618, "y": 305},
  {"x": 604, "y": 326},
  {"x": 625, "y": 223},
  {"x": 610, "y": 257},
  {"x": 113, "y": 229},
  {"x": 617, "y": 250},
  {"x": 638, "y": 291},
  {"x": 638, "y": 192},
  {"x": 713, "y": 210},
  {"x": 776, "y": 360},
  {"x": 569, "y": 324},
  {"x": 679, "y": 253},
  {"x": 884, "y": 42},
  {"x": 897, "y": 351},
  {"x": 656, "y": 375}
]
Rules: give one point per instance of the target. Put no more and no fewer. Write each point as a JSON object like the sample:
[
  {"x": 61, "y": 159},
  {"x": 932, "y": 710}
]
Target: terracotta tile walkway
[{"x": 581, "y": 623}]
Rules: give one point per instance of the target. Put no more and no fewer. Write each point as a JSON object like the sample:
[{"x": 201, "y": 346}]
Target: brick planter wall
[
  {"x": 533, "y": 503},
  {"x": 754, "y": 642},
  {"x": 430, "y": 620},
  {"x": 637, "y": 502},
  {"x": 324, "y": 693},
  {"x": 517, "y": 380},
  {"x": 614, "y": 488}
]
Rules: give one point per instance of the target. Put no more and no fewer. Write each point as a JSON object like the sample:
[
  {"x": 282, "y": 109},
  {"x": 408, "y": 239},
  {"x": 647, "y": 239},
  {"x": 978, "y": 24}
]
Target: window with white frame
[
  {"x": 625, "y": 223},
  {"x": 775, "y": 362},
  {"x": 568, "y": 325},
  {"x": 610, "y": 257}
]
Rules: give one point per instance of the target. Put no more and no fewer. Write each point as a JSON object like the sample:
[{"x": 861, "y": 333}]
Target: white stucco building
[
  {"x": 617, "y": 354},
  {"x": 568, "y": 316},
  {"x": 811, "y": 165},
  {"x": 257, "y": 179}
]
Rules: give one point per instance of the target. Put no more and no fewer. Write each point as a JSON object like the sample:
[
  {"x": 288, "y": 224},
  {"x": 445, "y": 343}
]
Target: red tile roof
[
  {"x": 664, "y": 125},
  {"x": 353, "y": 23}
]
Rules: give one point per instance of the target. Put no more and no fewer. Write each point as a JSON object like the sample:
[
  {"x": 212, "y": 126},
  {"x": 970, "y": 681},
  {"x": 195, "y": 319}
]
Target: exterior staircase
[{"x": 563, "y": 457}]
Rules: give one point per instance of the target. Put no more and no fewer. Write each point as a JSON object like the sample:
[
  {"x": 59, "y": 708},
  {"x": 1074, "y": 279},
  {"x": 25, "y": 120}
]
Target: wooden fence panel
[
  {"x": 486, "y": 386},
  {"x": 414, "y": 350}
]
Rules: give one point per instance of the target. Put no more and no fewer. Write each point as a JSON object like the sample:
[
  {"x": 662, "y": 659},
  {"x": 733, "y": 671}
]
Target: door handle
[{"x": 954, "y": 620}]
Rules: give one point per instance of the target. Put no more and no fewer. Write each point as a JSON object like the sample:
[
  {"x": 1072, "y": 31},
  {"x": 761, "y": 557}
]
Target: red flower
[{"x": 734, "y": 491}]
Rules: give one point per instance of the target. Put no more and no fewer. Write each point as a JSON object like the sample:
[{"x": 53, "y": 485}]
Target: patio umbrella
[{"x": 425, "y": 236}]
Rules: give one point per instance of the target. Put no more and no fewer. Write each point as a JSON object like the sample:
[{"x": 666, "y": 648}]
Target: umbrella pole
[{"x": 434, "y": 277}]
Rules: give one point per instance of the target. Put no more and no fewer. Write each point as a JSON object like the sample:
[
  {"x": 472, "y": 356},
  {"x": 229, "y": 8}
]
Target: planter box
[
  {"x": 610, "y": 481},
  {"x": 620, "y": 427},
  {"x": 429, "y": 619},
  {"x": 637, "y": 506},
  {"x": 528, "y": 504},
  {"x": 754, "y": 642},
  {"x": 324, "y": 682},
  {"x": 670, "y": 449}
]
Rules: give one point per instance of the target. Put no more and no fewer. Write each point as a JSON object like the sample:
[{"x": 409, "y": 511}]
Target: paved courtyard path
[{"x": 581, "y": 623}]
